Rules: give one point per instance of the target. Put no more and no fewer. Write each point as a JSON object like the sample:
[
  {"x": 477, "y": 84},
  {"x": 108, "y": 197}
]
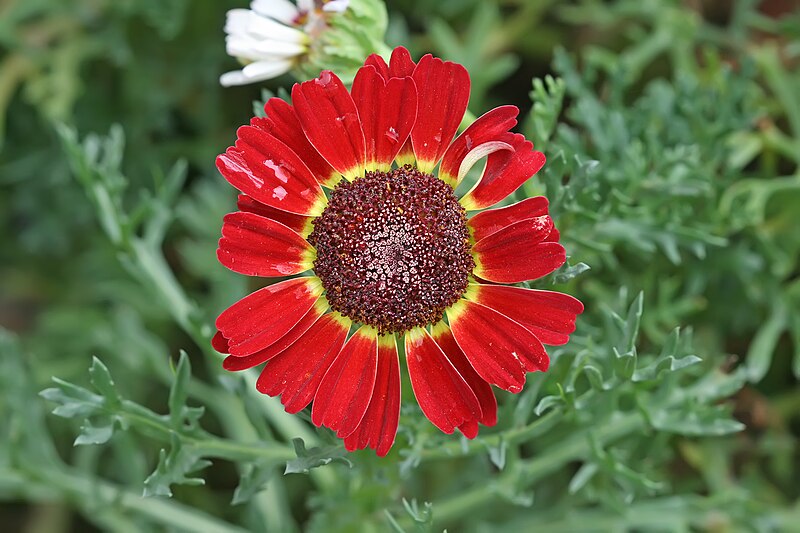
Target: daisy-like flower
[
  {"x": 271, "y": 36},
  {"x": 340, "y": 196}
]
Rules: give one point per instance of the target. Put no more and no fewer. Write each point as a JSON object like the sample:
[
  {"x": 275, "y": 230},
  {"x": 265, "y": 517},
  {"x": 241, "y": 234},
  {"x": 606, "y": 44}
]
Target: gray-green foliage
[{"x": 673, "y": 148}]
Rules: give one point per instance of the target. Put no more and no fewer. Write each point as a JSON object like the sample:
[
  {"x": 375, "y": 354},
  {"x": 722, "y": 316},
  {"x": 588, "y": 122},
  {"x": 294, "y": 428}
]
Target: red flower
[{"x": 389, "y": 249}]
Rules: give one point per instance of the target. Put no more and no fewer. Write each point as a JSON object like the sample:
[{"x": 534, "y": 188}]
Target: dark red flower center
[{"x": 393, "y": 249}]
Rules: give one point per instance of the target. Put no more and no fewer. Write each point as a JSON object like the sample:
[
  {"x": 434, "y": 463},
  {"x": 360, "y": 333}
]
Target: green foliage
[{"x": 672, "y": 133}]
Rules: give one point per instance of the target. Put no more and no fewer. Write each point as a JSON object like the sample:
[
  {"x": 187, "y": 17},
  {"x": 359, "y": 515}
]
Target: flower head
[
  {"x": 276, "y": 36},
  {"x": 390, "y": 254}
]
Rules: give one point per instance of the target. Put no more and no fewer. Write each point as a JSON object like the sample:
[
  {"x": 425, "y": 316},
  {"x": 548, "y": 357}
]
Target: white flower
[{"x": 269, "y": 37}]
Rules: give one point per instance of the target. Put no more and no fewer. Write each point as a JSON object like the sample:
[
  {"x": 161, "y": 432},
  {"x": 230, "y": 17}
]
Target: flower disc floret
[{"x": 393, "y": 249}]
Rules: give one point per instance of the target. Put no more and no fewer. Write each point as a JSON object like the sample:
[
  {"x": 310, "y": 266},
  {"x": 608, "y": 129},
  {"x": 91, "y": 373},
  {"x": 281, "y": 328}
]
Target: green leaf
[
  {"x": 91, "y": 434},
  {"x": 314, "y": 457},
  {"x": 252, "y": 482},
  {"x": 695, "y": 420},
  {"x": 568, "y": 272},
  {"x": 762, "y": 348},
  {"x": 173, "y": 469},
  {"x": 101, "y": 380},
  {"x": 547, "y": 403},
  {"x": 666, "y": 364},
  {"x": 547, "y": 97}
]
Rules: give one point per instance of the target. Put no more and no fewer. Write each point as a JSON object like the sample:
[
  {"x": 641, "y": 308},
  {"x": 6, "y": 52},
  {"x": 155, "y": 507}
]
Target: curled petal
[
  {"x": 517, "y": 253},
  {"x": 329, "y": 118},
  {"x": 258, "y": 246},
  {"x": 261, "y": 318},
  {"x": 443, "y": 395},
  {"x": 488, "y": 128},
  {"x": 378, "y": 428},
  {"x": 505, "y": 171},
  {"x": 345, "y": 392},
  {"x": 296, "y": 373}
]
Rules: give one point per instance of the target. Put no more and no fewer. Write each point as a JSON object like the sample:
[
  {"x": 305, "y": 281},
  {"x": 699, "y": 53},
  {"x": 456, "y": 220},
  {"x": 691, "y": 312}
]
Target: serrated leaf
[
  {"x": 178, "y": 392},
  {"x": 94, "y": 434},
  {"x": 567, "y": 272},
  {"x": 595, "y": 377},
  {"x": 101, "y": 380},
  {"x": 74, "y": 401},
  {"x": 315, "y": 457},
  {"x": 252, "y": 482},
  {"x": 625, "y": 363},
  {"x": 665, "y": 364},
  {"x": 173, "y": 469}
]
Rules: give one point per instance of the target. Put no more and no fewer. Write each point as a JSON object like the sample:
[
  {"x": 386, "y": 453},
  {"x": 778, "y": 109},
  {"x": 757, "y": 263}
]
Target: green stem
[{"x": 46, "y": 484}]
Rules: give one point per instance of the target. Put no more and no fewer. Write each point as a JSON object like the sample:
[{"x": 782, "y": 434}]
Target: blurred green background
[{"x": 672, "y": 131}]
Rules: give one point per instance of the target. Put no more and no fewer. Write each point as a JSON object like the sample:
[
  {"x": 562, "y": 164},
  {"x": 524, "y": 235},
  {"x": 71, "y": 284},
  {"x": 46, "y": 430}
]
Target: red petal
[
  {"x": 481, "y": 332},
  {"x": 299, "y": 223},
  {"x": 443, "y": 395},
  {"x": 469, "y": 429},
  {"x": 258, "y": 246},
  {"x": 486, "y": 347},
  {"x": 237, "y": 362},
  {"x": 443, "y": 94},
  {"x": 346, "y": 389},
  {"x": 378, "y": 428},
  {"x": 296, "y": 373},
  {"x": 261, "y": 318},
  {"x": 488, "y": 127},
  {"x": 267, "y": 170},
  {"x": 483, "y": 391},
  {"x": 516, "y": 253},
  {"x": 379, "y": 64},
  {"x": 330, "y": 119},
  {"x": 505, "y": 171},
  {"x": 219, "y": 342},
  {"x": 401, "y": 64},
  {"x": 387, "y": 111},
  {"x": 487, "y": 222},
  {"x": 548, "y": 315},
  {"x": 281, "y": 121}
]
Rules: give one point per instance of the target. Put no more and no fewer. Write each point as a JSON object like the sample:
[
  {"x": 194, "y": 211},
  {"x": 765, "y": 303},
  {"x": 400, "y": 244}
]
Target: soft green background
[{"x": 672, "y": 131}]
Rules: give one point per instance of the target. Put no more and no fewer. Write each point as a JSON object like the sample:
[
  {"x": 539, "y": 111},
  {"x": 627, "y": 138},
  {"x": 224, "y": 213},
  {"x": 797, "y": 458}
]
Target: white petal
[
  {"x": 281, "y": 10},
  {"x": 336, "y": 6},
  {"x": 264, "y": 70},
  {"x": 234, "y": 77},
  {"x": 267, "y": 28},
  {"x": 270, "y": 47},
  {"x": 254, "y": 50},
  {"x": 237, "y": 20},
  {"x": 305, "y": 6},
  {"x": 243, "y": 22}
]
